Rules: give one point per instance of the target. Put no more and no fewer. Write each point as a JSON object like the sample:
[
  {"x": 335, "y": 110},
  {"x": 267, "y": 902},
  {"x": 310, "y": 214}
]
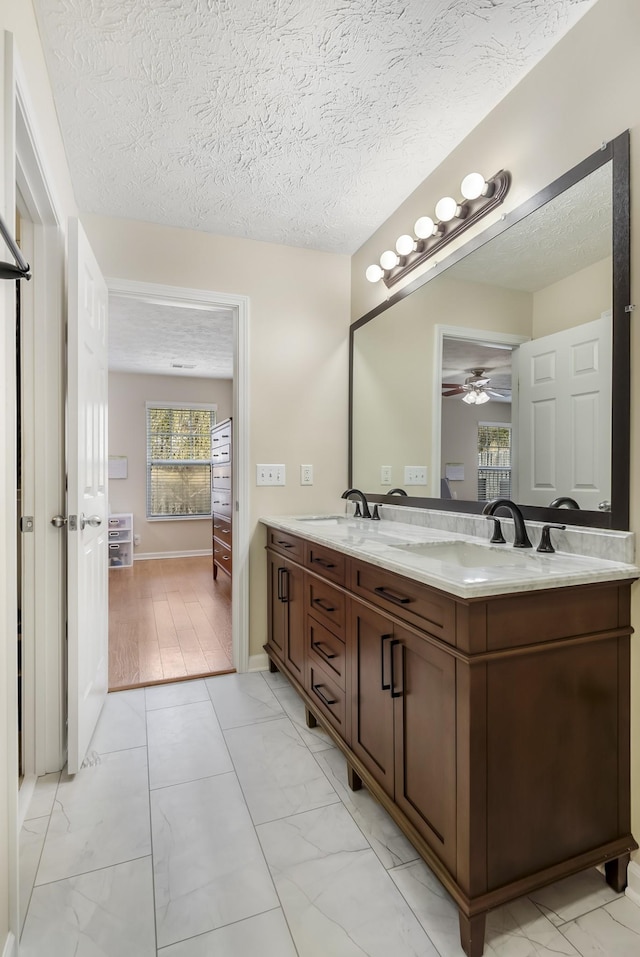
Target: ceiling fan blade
[
  {"x": 499, "y": 393},
  {"x": 457, "y": 390}
]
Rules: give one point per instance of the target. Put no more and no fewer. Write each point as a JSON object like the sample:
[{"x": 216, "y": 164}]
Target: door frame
[
  {"x": 206, "y": 299},
  {"x": 442, "y": 332}
]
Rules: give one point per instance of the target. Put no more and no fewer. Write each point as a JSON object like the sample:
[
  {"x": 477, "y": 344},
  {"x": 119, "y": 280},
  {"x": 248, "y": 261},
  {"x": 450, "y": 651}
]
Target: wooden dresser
[
  {"x": 495, "y": 731},
  {"x": 221, "y": 495}
]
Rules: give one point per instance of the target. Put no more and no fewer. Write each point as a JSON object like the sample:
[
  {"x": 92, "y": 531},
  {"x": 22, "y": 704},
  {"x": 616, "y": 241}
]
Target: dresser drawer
[
  {"x": 222, "y": 555},
  {"x": 328, "y": 698},
  {"x": 222, "y": 476},
  {"x": 220, "y": 454},
  {"x": 222, "y": 529},
  {"x": 326, "y": 562},
  {"x": 411, "y": 601},
  {"x": 326, "y": 650},
  {"x": 327, "y": 604},
  {"x": 221, "y": 501},
  {"x": 286, "y": 544}
]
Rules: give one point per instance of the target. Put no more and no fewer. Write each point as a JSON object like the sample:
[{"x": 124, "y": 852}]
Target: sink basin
[
  {"x": 470, "y": 555},
  {"x": 322, "y": 520}
]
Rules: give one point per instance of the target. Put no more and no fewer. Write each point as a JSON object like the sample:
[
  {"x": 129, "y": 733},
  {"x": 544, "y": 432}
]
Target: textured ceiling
[
  {"x": 148, "y": 337},
  {"x": 304, "y": 122}
]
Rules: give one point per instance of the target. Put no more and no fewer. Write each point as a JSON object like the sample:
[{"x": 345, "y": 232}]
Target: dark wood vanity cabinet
[
  {"x": 286, "y": 608},
  {"x": 495, "y": 730}
]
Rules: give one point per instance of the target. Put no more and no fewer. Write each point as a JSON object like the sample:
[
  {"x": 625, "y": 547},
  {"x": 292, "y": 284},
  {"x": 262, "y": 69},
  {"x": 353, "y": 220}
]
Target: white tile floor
[{"x": 209, "y": 821}]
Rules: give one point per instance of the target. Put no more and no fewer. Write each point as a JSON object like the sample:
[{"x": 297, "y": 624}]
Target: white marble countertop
[{"x": 463, "y": 565}]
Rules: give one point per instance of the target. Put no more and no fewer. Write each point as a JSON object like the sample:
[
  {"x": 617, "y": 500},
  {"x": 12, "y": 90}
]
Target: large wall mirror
[{"x": 505, "y": 370}]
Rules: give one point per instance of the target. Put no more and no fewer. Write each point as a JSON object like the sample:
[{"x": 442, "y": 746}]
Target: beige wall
[
  {"x": 579, "y": 298},
  {"x": 583, "y": 92},
  {"x": 128, "y": 394},
  {"x": 298, "y": 357}
]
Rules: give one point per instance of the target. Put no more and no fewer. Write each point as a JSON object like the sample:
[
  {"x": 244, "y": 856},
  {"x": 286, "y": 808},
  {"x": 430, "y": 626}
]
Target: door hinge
[
  {"x": 72, "y": 524},
  {"x": 26, "y": 523}
]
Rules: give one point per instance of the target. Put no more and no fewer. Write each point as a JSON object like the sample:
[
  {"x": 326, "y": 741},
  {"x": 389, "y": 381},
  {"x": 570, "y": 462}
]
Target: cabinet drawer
[
  {"x": 222, "y": 555},
  {"x": 221, "y": 501},
  {"x": 411, "y": 601},
  {"x": 119, "y": 535},
  {"x": 327, "y": 604},
  {"x": 325, "y": 562},
  {"x": 326, "y": 650},
  {"x": 221, "y": 435},
  {"x": 222, "y": 530},
  {"x": 222, "y": 476},
  {"x": 119, "y": 521},
  {"x": 328, "y": 698},
  {"x": 285, "y": 544},
  {"x": 120, "y": 555},
  {"x": 221, "y": 455}
]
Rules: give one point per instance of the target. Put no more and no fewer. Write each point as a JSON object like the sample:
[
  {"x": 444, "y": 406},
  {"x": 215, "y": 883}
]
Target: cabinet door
[
  {"x": 293, "y": 594},
  {"x": 276, "y": 606},
  {"x": 372, "y": 714},
  {"x": 423, "y": 679}
]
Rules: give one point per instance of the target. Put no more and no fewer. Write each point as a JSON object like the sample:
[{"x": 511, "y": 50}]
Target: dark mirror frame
[{"x": 616, "y": 151}]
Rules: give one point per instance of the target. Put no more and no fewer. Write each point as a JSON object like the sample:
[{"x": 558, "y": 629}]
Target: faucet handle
[
  {"x": 357, "y": 513},
  {"x": 376, "y": 515},
  {"x": 545, "y": 539},
  {"x": 497, "y": 538}
]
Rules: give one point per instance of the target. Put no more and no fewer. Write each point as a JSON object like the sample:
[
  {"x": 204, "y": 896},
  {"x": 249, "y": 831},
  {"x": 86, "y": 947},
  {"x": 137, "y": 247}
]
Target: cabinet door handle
[
  {"x": 398, "y": 599},
  {"x": 280, "y": 592},
  {"x": 384, "y": 685},
  {"x": 394, "y": 693},
  {"x": 285, "y": 585},
  {"x": 327, "y": 701},
  {"x": 322, "y": 604},
  {"x": 323, "y": 563},
  {"x": 285, "y": 544},
  {"x": 319, "y": 645}
]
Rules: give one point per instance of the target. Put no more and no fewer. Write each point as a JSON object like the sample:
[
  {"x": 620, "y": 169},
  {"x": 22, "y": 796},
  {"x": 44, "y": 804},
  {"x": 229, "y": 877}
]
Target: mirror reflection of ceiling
[
  {"x": 157, "y": 339},
  {"x": 303, "y": 122},
  {"x": 460, "y": 357}
]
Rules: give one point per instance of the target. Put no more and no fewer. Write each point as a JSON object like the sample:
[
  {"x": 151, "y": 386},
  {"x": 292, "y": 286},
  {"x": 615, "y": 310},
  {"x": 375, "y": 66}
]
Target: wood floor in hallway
[{"x": 168, "y": 620}]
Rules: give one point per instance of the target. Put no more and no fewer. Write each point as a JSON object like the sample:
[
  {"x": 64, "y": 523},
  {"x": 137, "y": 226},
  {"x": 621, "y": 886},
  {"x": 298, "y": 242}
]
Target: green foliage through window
[{"x": 494, "y": 462}]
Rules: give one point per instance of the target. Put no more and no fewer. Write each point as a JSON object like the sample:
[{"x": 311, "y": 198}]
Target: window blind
[
  {"x": 179, "y": 460},
  {"x": 494, "y": 461}
]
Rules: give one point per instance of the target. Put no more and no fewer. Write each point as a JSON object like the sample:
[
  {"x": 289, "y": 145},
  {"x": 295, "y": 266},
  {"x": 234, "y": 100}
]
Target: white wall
[
  {"x": 583, "y": 92},
  {"x": 460, "y": 439},
  {"x": 128, "y": 394}
]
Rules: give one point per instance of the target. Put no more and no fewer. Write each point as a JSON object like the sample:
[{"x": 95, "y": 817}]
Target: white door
[
  {"x": 564, "y": 423},
  {"x": 87, "y": 585}
]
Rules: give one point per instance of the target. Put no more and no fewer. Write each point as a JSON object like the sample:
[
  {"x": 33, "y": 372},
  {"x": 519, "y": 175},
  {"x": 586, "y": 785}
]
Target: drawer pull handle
[
  {"x": 398, "y": 599},
  {"x": 114, "y": 521},
  {"x": 323, "y": 563},
  {"x": 284, "y": 544},
  {"x": 327, "y": 701},
  {"x": 384, "y": 685},
  {"x": 322, "y": 604},
  {"x": 114, "y": 546},
  {"x": 319, "y": 645},
  {"x": 394, "y": 693},
  {"x": 113, "y": 534}
]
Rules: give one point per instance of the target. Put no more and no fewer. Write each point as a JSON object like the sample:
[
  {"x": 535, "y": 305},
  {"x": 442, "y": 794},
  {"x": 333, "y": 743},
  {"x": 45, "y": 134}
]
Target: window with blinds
[
  {"x": 494, "y": 461},
  {"x": 179, "y": 460}
]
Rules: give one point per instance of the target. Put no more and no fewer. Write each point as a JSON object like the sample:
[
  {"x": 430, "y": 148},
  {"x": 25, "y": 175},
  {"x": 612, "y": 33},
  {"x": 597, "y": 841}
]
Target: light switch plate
[
  {"x": 270, "y": 475},
  {"x": 415, "y": 475}
]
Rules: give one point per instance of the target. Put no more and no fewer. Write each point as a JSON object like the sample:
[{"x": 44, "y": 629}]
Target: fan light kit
[
  {"x": 479, "y": 197},
  {"x": 475, "y": 390}
]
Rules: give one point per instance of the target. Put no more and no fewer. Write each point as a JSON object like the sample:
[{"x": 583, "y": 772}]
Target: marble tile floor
[{"x": 209, "y": 821}]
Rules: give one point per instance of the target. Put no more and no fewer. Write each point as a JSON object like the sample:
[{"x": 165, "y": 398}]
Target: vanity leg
[
  {"x": 355, "y": 781},
  {"x": 310, "y": 719},
  {"x": 472, "y": 933},
  {"x": 616, "y": 872},
  {"x": 272, "y": 668}
]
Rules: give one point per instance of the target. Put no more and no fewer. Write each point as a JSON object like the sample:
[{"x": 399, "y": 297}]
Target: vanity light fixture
[{"x": 479, "y": 197}]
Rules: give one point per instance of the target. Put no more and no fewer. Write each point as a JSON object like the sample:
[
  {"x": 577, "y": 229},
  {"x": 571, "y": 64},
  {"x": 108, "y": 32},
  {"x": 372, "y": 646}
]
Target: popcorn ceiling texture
[{"x": 303, "y": 122}]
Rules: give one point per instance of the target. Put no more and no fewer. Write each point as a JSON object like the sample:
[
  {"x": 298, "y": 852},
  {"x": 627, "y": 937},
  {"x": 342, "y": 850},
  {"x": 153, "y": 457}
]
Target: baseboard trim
[
  {"x": 195, "y": 553},
  {"x": 258, "y": 662},
  {"x": 633, "y": 882},
  {"x": 9, "y": 949}
]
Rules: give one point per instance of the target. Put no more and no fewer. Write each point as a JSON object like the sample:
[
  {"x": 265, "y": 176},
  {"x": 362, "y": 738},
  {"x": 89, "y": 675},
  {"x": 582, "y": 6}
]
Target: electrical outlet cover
[{"x": 385, "y": 475}]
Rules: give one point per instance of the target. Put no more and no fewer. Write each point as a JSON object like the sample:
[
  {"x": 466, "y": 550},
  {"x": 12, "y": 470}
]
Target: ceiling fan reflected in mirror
[{"x": 475, "y": 389}]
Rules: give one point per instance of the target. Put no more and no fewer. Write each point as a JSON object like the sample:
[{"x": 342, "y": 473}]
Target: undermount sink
[
  {"x": 470, "y": 555},
  {"x": 324, "y": 519}
]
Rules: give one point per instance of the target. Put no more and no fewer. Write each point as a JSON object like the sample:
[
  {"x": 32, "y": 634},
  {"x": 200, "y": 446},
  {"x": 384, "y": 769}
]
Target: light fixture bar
[{"x": 467, "y": 213}]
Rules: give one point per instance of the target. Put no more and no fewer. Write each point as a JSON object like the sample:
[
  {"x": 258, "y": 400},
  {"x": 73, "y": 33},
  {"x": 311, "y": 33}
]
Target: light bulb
[
  {"x": 469, "y": 398},
  {"x": 389, "y": 259},
  {"x": 473, "y": 186},
  {"x": 405, "y": 245},
  {"x": 446, "y": 208},
  {"x": 424, "y": 227},
  {"x": 374, "y": 273},
  {"x": 482, "y": 397}
]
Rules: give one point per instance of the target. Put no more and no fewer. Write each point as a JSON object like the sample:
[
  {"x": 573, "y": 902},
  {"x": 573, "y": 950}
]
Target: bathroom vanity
[{"x": 480, "y": 694}]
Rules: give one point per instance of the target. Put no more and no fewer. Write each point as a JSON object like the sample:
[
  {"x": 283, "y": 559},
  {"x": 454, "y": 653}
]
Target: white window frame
[
  {"x": 494, "y": 425},
  {"x": 197, "y": 406}
]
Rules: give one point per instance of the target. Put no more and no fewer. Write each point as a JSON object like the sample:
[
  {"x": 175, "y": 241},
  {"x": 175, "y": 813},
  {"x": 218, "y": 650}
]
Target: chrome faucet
[
  {"x": 521, "y": 539},
  {"x": 365, "y": 507}
]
